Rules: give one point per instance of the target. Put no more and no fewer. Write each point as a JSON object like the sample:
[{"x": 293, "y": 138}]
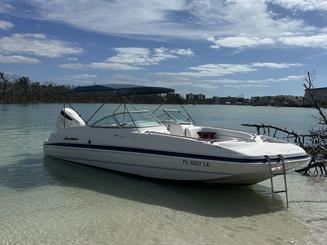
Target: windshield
[
  {"x": 174, "y": 115},
  {"x": 140, "y": 119}
]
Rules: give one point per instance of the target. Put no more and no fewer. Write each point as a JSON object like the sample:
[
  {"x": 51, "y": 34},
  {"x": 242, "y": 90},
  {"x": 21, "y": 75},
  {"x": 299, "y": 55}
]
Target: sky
[{"x": 219, "y": 48}]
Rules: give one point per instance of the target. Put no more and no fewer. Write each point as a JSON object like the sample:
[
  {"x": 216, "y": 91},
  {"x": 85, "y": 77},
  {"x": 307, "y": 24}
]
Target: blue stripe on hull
[
  {"x": 75, "y": 159},
  {"x": 169, "y": 153}
]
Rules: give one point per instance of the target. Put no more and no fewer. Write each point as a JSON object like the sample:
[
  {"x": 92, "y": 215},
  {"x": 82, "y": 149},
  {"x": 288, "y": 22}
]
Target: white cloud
[
  {"x": 315, "y": 41},
  {"x": 17, "y": 59},
  {"x": 133, "y": 58},
  {"x": 83, "y": 76},
  {"x": 239, "y": 42},
  {"x": 118, "y": 17},
  {"x": 231, "y": 23},
  {"x": 5, "y": 7},
  {"x": 72, "y": 58},
  {"x": 246, "y": 86},
  {"x": 73, "y": 66},
  {"x": 99, "y": 65},
  {"x": 268, "y": 82},
  {"x": 217, "y": 70},
  {"x": 130, "y": 56},
  {"x": 36, "y": 44},
  {"x": 236, "y": 82},
  {"x": 120, "y": 78},
  {"x": 201, "y": 82},
  {"x": 205, "y": 86},
  {"x": 247, "y": 18},
  {"x": 167, "y": 18},
  {"x": 290, "y": 78},
  {"x": 210, "y": 83},
  {"x": 183, "y": 52},
  {"x": 303, "y": 5},
  {"x": 5, "y": 25},
  {"x": 78, "y": 79},
  {"x": 112, "y": 66},
  {"x": 145, "y": 56},
  {"x": 212, "y": 70},
  {"x": 275, "y": 65}
]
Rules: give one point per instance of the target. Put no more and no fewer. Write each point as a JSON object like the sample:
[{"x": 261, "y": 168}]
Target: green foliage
[{"x": 23, "y": 90}]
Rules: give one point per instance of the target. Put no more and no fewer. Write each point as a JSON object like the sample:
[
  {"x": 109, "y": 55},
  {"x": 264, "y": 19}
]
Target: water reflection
[{"x": 200, "y": 199}]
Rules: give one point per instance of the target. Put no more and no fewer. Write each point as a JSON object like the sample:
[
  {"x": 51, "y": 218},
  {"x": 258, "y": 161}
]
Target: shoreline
[{"x": 188, "y": 104}]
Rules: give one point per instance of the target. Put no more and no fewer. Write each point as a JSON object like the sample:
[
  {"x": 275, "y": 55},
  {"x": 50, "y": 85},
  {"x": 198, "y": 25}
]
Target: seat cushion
[{"x": 206, "y": 135}]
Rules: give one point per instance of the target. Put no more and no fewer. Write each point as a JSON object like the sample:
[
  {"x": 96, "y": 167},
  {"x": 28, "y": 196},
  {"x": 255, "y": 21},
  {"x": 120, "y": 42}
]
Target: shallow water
[{"x": 47, "y": 201}]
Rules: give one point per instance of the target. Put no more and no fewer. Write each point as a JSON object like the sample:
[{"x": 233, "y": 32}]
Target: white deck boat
[{"x": 170, "y": 146}]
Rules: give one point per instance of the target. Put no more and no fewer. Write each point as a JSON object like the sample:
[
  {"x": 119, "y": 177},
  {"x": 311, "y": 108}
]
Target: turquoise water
[{"x": 47, "y": 201}]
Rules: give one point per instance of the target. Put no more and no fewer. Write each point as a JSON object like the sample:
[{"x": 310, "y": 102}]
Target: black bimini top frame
[{"x": 120, "y": 89}]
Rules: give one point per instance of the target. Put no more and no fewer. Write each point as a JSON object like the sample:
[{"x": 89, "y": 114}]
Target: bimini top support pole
[
  {"x": 124, "y": 100},
  {"x": 187, "y": 113},
  {"x": 64, "y": 111},
  {"x": 95, "y": 113},
  {"x": 154, "y": 111}
]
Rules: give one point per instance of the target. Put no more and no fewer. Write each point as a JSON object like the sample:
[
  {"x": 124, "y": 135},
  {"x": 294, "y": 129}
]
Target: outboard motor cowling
[{"x": 69, "y": 118}]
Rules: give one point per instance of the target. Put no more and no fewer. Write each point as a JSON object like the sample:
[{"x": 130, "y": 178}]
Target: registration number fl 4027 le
[{"x": 196, "y": 163}]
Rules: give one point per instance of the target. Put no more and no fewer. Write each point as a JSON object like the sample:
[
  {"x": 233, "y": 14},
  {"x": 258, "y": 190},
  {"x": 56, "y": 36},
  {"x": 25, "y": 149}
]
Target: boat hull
[{"x": 170, "y": 166}]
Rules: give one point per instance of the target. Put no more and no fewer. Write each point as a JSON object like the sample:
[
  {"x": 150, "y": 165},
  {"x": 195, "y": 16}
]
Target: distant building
[
  {"x": 262, "y": 100},
  {"x": 225, "y": 100},
  {"x": 229, "y": 100},
  {"x": 320, "y": 94},
  {"x": 191, "y": 96},
  {"x": 279, "y": 100}
]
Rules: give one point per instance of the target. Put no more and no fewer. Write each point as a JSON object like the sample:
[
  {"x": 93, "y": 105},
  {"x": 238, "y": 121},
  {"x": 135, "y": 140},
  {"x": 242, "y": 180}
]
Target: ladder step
[
  {"x": 273, "y": 192},
  {"x": 279, "y": 192}
]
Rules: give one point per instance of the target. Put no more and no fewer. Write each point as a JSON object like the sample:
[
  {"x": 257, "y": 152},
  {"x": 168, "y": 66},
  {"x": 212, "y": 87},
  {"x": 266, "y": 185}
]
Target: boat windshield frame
[
  {"x": 168, "y": 112},
  {"x": 132, "y": 122}
]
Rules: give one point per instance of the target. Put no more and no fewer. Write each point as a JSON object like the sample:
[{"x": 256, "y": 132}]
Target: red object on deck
[{"x": 207, "y": 135}]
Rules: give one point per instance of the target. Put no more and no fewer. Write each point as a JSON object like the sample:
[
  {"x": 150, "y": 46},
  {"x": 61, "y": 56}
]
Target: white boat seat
[
  {"x": 192, "y": 132},
  {"x": 178, "y": 129}
]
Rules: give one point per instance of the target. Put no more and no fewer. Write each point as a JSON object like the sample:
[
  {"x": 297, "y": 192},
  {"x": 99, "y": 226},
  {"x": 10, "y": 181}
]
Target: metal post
[
  {"x": 94, "y": 113},
  {"x": 125, "y": 107},
  {"x": 285, "y": 182},
  {"x": 187, "y": 113},
  {"x": 160, "y": 105},
  {"x": 64, "y": 111},
  {"x": 116, "y": 109},
  {"x": 271, "y": 177},
  {"x": 125, "y": 99}
]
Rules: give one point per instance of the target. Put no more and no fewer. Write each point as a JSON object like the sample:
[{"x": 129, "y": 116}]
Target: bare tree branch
[
  {"x": 309, "y": 85},
  {"x": 314, "y": 142}
]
